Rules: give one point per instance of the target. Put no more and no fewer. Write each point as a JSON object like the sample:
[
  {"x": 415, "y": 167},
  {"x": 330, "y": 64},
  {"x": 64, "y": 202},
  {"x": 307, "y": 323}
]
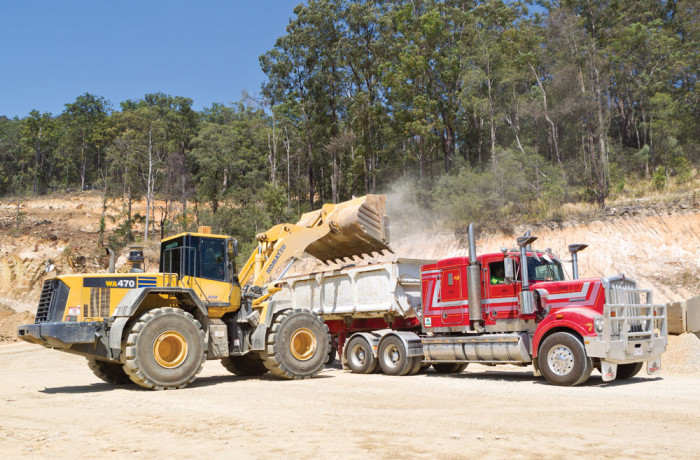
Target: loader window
[{"x": 213, "y": 257}]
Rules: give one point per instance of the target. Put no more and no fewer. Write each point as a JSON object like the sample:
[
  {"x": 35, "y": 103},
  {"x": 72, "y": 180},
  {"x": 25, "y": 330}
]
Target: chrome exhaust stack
[
  {"x": 574, "y": 249},
  {"x": 111, "y": 259},
  {"x": 527, "y": 298},
  {"x": 474, "y": 284}
]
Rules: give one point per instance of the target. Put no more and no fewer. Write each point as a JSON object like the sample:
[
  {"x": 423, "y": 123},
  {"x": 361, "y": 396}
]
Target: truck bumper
[
  {"x": 61, "y": 335},
  {"x": 625, "y": 351}
]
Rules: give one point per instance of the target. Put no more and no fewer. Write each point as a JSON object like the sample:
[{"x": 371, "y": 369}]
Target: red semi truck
[{"x": 510, "y": 307}]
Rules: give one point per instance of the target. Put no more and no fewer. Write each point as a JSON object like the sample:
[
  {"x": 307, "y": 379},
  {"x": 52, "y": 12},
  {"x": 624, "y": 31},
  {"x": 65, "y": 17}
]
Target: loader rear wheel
[
  {"x": 165, "y": 349},
  {"x": 627, "y": 371},
  {"x": 563, "y": 360},
  {"x": 332, "y": 353},
  {"x": 297, "y": 345},
  {"x": 393, "y": 357},
  {"x": 449, "y": 368},
  {"x": 109, "y": 372},
  {"x": 359, "y": 355},
  {"x": 249, "y": 365}
]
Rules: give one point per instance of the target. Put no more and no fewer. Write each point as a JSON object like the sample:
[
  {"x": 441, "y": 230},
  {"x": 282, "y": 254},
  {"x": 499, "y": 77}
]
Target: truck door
[
  {"x": 451, "y": 300},
  {"x": 501, "y": 298}
]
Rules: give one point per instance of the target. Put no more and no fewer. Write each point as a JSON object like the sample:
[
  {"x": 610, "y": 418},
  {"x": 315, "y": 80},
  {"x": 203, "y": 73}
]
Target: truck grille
[
  {"x": 45, "y": 301},
  {"x": 630, "y": 312}
]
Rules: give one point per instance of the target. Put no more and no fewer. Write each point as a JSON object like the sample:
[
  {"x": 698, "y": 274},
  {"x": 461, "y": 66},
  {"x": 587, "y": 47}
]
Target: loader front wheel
[
  {"x": 165, "y": 349},
  {"x": 563, "y": 361},
  {"x": 249, "y": 365},
  {"x": 112, "y": 373},
  {"x": 297, "y": 345}
]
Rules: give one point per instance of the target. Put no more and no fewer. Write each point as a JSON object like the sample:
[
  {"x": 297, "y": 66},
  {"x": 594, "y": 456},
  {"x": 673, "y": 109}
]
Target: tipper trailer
[{"x": 492, "y": 309}]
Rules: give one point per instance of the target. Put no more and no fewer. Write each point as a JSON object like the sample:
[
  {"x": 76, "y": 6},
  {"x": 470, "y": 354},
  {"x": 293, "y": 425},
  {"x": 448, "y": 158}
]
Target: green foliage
[{"x": 480, "y": 110}]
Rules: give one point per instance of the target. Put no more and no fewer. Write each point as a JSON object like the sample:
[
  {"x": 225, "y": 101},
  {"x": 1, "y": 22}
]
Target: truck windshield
[{"x": 542, "y": 270}]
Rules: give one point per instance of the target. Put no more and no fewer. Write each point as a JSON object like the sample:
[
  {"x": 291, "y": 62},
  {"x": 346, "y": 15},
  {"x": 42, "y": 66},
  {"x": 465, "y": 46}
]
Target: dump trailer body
[{"x": 370, "y": 291}]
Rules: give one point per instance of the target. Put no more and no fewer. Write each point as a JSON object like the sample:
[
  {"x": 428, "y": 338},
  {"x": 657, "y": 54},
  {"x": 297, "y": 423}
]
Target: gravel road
[{"x": 51, "y": 405}]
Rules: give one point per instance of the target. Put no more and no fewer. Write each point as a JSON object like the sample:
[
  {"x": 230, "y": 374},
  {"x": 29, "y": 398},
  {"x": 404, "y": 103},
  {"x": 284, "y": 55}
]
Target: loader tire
[
  {"x": 627, "y": 371},
  {"x": 449, "y": 368},
  {"x": 393, "y": 357},
  {"x": 112, "y": 373},
  {"x": 249, "y": 365},
  {"x": 165, "y": 349},
  {"x": 297, "y": 345},
  {"x": 563, "y": 361},
  {"x": 360, "y": 359},
  {"x": 330, "y": 357}
]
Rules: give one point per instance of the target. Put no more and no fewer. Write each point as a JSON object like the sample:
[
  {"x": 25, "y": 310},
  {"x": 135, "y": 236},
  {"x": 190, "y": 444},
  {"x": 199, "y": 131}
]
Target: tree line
[{"x": 482, "y": 109}]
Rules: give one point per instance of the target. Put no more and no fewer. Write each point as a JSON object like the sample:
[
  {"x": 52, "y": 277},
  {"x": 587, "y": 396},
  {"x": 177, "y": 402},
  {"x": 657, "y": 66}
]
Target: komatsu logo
[{"x": 276, "y": 259}]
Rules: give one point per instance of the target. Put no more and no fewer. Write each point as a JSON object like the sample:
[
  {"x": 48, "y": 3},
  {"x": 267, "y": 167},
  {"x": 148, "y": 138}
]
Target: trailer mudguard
[{"x": 411, "y": 342}]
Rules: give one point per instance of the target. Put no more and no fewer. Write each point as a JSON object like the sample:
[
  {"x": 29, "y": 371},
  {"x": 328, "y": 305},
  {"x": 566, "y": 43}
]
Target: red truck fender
[{"x": 579, "y": 320}]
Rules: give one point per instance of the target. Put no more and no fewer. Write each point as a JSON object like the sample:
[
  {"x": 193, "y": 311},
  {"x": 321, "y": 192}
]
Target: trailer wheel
[
  {"x": 109, "y": 372},
  {"x": 393, "y": 357},
  {"x": 165, "y": 349},
  {"x": 563, "y": 360},
  {"x": 249, "y": 365},
  {"x": 627, "y": 371},
  {"x": 359, "y": 355},
  {"x": 297, "y": 345},
  {"x": 449, "y": 368}
]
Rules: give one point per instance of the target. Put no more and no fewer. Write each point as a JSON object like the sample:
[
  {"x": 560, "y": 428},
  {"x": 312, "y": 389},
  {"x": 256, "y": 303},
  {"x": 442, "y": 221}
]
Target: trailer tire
[
  {"x": 563, "y": 361},
  {"x": 449, "y": 368},
  {"x": 297, "y": 344},
  {"x": 165, "y": 349},
  {"x": 360, "y": 359},
  {"x": 627, "y": 371},
  {"x": 250, "y": 365},
  {"x": 109, "y": 372},
  {"x": 393, "y": 357}
]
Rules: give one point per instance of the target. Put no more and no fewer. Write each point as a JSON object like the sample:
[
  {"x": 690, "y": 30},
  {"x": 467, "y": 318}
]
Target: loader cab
[{"x": 203, "y": 262}]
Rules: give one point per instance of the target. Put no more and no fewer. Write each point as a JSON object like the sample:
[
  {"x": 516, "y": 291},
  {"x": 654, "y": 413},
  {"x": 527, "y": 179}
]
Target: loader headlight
[{"x": 599, "y": 325}]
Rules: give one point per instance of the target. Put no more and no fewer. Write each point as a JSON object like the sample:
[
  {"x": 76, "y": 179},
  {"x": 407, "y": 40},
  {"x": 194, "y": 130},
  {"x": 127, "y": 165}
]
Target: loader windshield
[{"x": 544, "y": 270}]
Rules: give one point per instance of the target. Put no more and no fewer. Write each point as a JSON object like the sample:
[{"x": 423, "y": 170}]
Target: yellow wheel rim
[
  {"x": 170, "y": 349},
  {"x": 303, "y": 344}
]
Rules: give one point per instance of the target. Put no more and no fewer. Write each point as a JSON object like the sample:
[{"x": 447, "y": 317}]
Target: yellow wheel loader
[{"x": 158, "y": 329}]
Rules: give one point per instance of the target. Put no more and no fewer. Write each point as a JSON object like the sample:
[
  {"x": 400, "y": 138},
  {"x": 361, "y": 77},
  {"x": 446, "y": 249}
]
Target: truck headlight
[{"x": 599, "y": 325}]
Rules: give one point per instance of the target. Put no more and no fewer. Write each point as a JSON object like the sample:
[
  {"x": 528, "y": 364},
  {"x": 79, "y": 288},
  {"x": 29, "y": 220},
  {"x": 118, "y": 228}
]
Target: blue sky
[{"x": 53, "y": 51}]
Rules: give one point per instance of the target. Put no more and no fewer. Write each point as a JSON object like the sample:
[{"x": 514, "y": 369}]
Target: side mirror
[{"x": 509, "y": 266}]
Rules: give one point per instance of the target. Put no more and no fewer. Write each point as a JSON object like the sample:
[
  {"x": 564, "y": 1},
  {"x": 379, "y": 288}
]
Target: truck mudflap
[
  {"x": 631, "y": 330},
  {"x": 61, "y": 335}
]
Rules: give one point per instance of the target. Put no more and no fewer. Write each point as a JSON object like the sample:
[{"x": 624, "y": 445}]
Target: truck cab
[{"x": 519, "y": 308}]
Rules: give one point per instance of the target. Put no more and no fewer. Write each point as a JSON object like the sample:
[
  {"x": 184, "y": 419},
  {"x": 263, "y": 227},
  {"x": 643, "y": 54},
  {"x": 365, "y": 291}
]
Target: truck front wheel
[
  {"x": 359, "y": 356},
  {"x": 165, "y": 349},
  {"x": 563, "y": 361},
  {"x": 297, "y": 345},
  {"x": 627, "y": 371}
]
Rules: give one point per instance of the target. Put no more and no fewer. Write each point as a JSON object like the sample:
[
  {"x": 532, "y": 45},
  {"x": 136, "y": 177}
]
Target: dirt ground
[{"x": 52, "y": 405}]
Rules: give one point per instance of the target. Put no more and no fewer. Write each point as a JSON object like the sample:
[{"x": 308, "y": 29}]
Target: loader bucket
[{"x": 357, "y": 227}]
